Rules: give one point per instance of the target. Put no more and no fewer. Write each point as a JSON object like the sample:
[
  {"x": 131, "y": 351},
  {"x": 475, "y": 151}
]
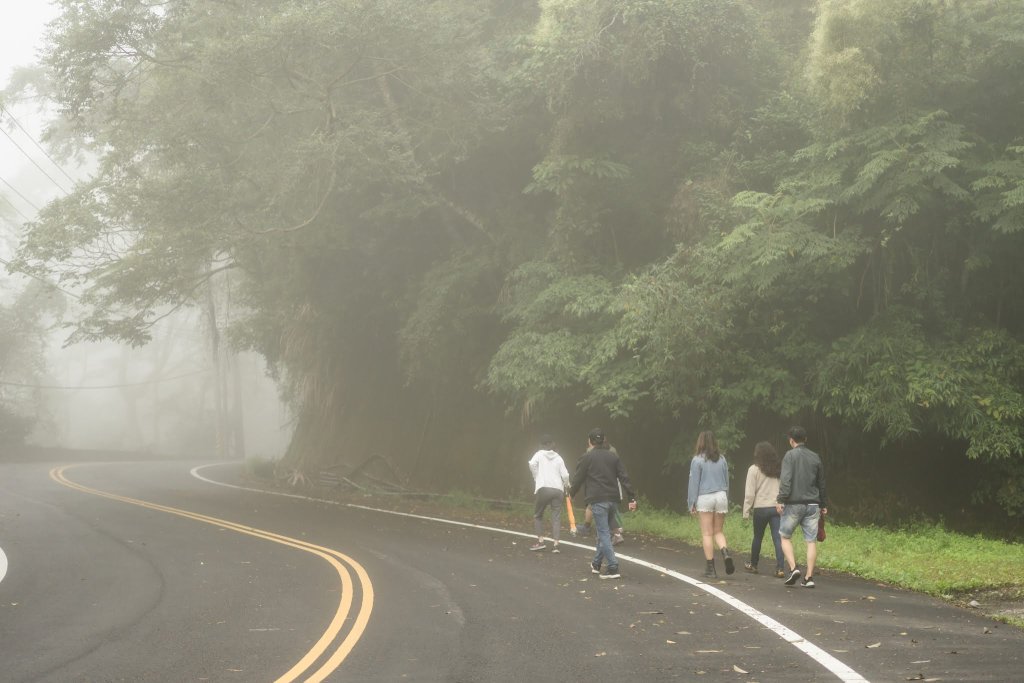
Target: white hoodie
[{"x": 548, "y": 470}]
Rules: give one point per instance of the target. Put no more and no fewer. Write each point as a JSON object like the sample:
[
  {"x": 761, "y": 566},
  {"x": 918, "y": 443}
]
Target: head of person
[
  {"x": 596, "y": 438},
  {"x": 707, "y": 446},
  {"x": 797, "y": 435},
  {"x": 547, "y": 442},
  {"x": 767, "y": 459}
]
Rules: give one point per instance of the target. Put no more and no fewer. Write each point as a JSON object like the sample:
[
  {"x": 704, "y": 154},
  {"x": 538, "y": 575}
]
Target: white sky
[
  {"x": 22, "y": 25},
  {"x": 21, "y": 29}
]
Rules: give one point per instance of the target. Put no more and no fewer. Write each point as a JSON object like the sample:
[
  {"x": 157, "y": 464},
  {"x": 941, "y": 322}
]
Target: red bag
[{"x": 821, "y": 527}]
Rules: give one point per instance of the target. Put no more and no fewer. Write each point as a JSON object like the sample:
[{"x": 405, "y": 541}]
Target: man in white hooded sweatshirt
[{"x": 549, "y": 481}]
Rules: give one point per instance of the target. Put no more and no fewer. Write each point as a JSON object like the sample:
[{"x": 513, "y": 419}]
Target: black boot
[
  {"x": 710, "y": 572},
  {"x": 729, "y": 566}
]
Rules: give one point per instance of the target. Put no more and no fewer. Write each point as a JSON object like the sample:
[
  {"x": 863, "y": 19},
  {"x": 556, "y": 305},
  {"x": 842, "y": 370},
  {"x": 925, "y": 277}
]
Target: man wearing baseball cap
[{"x": 599, "y": 473}]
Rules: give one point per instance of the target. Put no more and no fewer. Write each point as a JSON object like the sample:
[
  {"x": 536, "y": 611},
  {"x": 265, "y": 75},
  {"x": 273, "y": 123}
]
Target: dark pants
[
  {"x": 766, "y": 517},
  {"x": 544, "y": 497}
]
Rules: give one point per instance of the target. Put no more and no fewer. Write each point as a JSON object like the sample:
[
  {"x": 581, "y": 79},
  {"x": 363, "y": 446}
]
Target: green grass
[
  {"x": 923, "y": 557},
  {"x": 926, "y": 558}
]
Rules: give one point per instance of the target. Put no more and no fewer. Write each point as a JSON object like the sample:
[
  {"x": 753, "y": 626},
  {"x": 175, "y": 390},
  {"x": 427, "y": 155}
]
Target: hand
[
  {"x": 778, "y": 508},
  {"x": 824, "y": 511},
  {"x": 632, "y": 506}
]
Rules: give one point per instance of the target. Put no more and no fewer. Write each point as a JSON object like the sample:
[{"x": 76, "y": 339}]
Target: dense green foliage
[{"x": 459, "y": 222}]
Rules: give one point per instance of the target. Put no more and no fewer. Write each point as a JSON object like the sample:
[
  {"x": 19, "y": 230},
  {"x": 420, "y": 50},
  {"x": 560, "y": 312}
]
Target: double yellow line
[{"x": 332, "y": 557}]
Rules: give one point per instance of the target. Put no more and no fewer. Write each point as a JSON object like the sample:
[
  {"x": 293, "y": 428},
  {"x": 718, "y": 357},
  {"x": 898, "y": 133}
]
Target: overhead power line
[
  {"x": 34, "y": 163},
  {"x": 23, "y": 197},
  {"x": 105, "y": 386},
  {"x": 38, "y": 146},
  {"x": 20, "y": 212}
]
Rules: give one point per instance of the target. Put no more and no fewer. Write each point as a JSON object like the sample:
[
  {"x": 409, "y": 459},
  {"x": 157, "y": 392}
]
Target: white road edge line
[
  {"x": 841, "y": 670},
  {"x": 3, "y": 564}
]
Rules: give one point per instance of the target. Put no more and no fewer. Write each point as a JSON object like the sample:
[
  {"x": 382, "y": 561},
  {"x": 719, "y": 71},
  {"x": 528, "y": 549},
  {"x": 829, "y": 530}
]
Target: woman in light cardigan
[
  {"x": 759, "y": 495},
  {"x": 707, "y": 496}
]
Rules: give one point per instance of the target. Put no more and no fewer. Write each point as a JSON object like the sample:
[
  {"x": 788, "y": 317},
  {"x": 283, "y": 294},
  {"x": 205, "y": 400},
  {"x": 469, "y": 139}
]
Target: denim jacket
[{"x": 706, "y": 477}]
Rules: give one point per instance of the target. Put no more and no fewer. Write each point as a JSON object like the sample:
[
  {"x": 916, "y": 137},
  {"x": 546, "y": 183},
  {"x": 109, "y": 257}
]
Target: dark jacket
[
  {"x": 803, "y": 477},
  {"x": 599, "y": 472}
]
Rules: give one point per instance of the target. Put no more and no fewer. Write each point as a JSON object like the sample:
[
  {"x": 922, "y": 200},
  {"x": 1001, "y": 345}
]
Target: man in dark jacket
[
  {"x": 801, "y": 501},
  {"x": 599, "y": 473}
]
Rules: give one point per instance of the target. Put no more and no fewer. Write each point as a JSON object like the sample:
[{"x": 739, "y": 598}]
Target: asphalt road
[{"x": 152, "y": 572}]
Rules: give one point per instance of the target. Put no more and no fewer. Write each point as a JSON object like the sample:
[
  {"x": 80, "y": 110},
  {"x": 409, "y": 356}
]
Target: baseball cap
[{"x": 596, "y": 435}]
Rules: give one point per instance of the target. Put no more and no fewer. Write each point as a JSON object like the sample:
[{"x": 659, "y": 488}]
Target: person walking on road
[
  {"x": 599, "y": 473},
  {"x": 614, "y": 524},
  {"x": 759, "y": 496},
  {"x": 550, "y": 478},
  {"x": 801, "y": 501},
  {"x": 707, "y": 496}
]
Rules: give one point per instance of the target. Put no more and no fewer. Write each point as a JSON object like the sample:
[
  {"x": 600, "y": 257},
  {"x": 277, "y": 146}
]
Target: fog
[{"x": 159, "y": 399}]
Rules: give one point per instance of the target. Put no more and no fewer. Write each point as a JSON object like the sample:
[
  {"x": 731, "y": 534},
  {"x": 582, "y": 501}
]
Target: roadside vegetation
[{"x": 923, "y": 557}]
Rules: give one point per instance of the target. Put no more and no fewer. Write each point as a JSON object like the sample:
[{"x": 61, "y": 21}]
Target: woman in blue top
[{"x": 707, "y": 496}]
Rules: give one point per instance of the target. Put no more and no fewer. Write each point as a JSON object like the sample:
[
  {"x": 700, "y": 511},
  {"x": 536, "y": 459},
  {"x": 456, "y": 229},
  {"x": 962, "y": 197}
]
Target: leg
[
  {"x": 812, "y": 557},
  {"x": 810, "y": 528},
  {"x": 539, "y": 504},
  {"x": 787, "y": 551},
  {"x": 791, "y": 516},
  {"x": 760, "y": 522},
  {"x": 555, "y": 501},
  {"x": 773, "y": 524},
  {"x": 707, "y": 533},
  {"x": 719, "y": 522},
  {"x": 722, "y": 544},
  {"x": 604, "y": 549}
]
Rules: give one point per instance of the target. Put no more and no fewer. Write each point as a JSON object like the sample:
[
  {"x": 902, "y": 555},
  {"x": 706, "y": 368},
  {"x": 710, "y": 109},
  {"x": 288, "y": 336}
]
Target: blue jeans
[
  {"x": 602, "y": 511},
  {"x": 766, "y": 517}
]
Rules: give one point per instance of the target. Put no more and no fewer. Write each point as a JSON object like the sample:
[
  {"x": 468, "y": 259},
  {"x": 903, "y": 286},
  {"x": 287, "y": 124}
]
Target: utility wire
[
  {"x": 4, "y": 110},
  {"x": 106, "y": 386},
  {"x": 20, "y": 212},
  {"x": 40, "y": 278},
  {"x": 24, "y": 198},
  {"x": 34, "y": 163}
]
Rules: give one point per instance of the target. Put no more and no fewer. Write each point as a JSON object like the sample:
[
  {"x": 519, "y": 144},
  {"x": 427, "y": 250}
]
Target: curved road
[{"x": 152, "y": 572}]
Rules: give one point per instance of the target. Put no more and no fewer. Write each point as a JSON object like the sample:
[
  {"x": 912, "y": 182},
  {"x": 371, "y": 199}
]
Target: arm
[
  {"x": 534, "y": 466},
  {"x": 624, "y": 479},
  {"x": 694, "y": 485},
  {"x": 749, "y": 491},
  {"x": 822, "y": 496},
  {"x": 579, "y": 477},
  {"x": 785, "y": 481},
  {"x": 563, "y": 472}
]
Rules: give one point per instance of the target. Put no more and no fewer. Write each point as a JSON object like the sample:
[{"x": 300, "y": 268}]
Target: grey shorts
[{"x": 803, "y": 514}]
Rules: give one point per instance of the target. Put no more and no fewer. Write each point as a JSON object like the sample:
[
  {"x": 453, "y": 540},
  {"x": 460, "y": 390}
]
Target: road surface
[{"x": 172, "y": 571}]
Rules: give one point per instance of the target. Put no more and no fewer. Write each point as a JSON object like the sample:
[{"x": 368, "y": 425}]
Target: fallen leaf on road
[
  {"x": 922, "y": 661},
  {"x": 739, "y": 670},
  {"x": 682, "y": 633},
  {"x": 918, "y": 677},
  {"x": 601, "y": 654},
  {"x": 707, "y": 652},
  {"x": 671, "y": 642},
  {"x": 874, "y": 645}
]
